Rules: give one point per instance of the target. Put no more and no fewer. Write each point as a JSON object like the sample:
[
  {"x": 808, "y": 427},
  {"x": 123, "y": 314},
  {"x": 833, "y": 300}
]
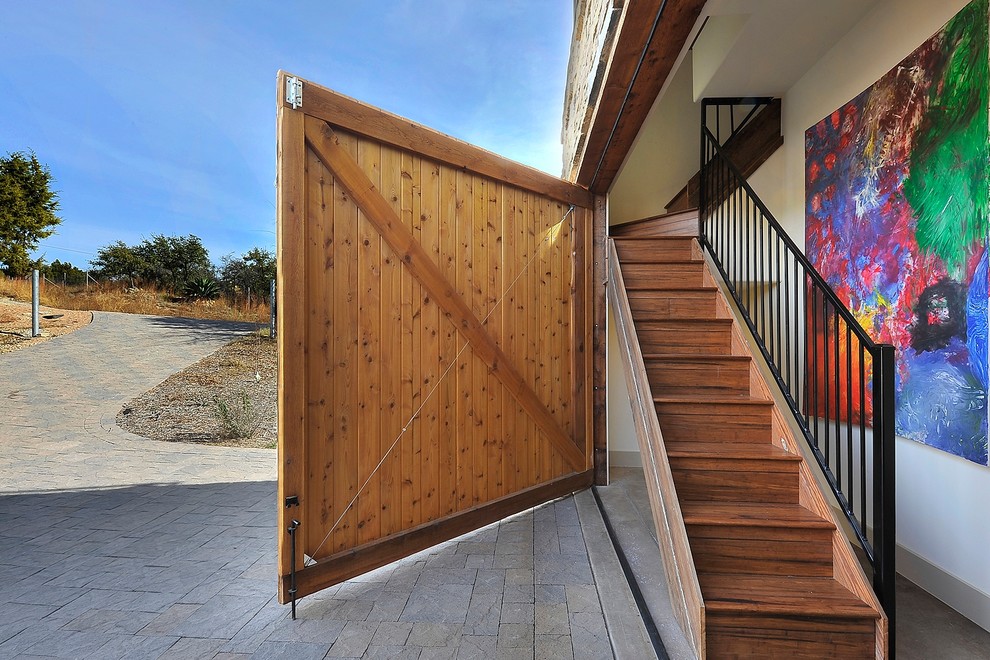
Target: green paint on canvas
[{"x": 947, "y": 180}]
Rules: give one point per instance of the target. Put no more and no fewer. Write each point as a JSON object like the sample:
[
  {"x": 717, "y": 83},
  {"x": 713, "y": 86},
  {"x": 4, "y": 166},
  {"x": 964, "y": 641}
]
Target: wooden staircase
[{"x": 777, "y": 577}]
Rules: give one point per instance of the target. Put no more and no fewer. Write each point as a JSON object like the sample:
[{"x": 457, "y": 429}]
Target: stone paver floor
[{"x": 112, "y": 546}]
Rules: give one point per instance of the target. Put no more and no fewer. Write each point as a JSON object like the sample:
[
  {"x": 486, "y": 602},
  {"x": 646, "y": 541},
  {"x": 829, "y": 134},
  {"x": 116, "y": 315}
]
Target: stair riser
[
  {"x": 746, "y": 484},
  {"x": 652, "y": 251},
  {"x": 648, "y": 276},
  {"x": 761, "y": 550},
  {"x": 724, "y": 422},
  {"x": 658, "y": 305},
  {"x": 730, "y": 378},
  {"x": 736, "y": 636},
  {"x": 674, "y": 341},
  {"x": 683, "y": 223}
]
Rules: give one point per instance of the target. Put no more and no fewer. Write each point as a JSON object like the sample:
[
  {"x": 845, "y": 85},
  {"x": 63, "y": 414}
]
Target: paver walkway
[{"x": 113, "y": 546}]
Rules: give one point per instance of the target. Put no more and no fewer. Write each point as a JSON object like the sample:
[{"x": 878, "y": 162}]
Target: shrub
[
  {"x": 202, "y": 287},
  {"x": 237, "y": 417}
]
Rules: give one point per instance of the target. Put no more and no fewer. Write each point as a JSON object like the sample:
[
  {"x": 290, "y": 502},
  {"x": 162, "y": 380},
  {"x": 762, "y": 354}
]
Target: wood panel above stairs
[{"x": 778, "y": 578}]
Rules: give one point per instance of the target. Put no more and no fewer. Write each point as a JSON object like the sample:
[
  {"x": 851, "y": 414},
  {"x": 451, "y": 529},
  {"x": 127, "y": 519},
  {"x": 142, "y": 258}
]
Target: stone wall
[{"x": 595, "y": 26}]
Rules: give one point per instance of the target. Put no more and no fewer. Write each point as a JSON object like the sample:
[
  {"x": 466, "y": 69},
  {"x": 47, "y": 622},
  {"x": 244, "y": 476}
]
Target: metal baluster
[
  {"x": 838, "y": 399},
  {"x": 862, "y": 436},
  {"x": 849, "y": 411},
  {"x": 826, "y": 376}
]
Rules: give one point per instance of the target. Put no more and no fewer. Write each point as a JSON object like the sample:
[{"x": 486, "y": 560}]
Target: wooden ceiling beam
[{"x": 651, "y": 37}]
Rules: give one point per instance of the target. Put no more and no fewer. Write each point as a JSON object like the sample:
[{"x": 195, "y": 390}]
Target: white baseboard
[
  {"x": 617, "y": 458},
  {"x": 961, "y": 596}
]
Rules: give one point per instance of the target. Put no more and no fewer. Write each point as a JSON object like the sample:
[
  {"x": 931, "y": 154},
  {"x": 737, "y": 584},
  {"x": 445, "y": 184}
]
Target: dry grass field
[{"x": 114, "y": 298}]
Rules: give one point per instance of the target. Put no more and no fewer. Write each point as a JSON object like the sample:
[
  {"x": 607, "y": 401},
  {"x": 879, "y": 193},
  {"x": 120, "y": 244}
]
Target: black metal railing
[{"x": 837, "y": 381}]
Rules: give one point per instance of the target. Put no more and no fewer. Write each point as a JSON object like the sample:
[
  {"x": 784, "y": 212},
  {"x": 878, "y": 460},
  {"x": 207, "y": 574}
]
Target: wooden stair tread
[
  {"x": 699, "y": 358},
  {"x": 692, "y": 212},
  {"x": 656, "y": 260},
  {"x": 671, "y": 262},
  {"x": 729, "y": 450},
  {"x": 730, "y": 593},
  {"x": 704, "y": 323},
  {"x": 655, "y": 287},
  {"x": 674, "y": 215},
  {"x": 652, "y": 238},
  {"x": 713, "y": 397},
  {"x": 701, "y": 288},
  {"x": 741, "y": 514}
]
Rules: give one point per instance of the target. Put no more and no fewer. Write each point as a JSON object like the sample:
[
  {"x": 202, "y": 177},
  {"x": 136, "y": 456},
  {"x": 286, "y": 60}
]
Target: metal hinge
[{"x": 293, "y": 92}]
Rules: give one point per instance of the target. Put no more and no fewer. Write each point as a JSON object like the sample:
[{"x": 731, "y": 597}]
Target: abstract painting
[{"x": 897, "y": 221}]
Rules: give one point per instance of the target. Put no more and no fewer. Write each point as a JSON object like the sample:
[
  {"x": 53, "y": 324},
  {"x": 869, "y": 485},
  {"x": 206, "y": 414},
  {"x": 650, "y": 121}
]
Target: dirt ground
[
  {"x": 227, "y": 398},
  {"x": 15, "y": 324}
]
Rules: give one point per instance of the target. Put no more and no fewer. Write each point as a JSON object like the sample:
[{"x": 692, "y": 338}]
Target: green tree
[
  {"x": 63, "y": 271},
  {"x": 254, "y": 270},
  {"x": 27, "y": 210},
  {"x": 168, "y": 262},
  {"x": 172, "y": 261},
  {"x": 117, "y": 262}
]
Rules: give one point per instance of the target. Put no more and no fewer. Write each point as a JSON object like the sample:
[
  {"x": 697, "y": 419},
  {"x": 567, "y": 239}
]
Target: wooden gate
[{"x": 435, "y": 330}]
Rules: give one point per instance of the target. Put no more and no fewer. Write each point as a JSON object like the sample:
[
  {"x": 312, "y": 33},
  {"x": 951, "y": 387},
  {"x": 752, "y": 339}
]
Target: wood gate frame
[{"x": 313, "y": 120}]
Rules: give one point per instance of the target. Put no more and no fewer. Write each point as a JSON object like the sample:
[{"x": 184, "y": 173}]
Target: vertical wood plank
[
  {"x": 369, "y": 440},
  {"x": 560, "y": 305},
  {"x": 526, "y": 303},
  {"x": 599, "y": 440},
  {"x": 430, "y": 346},
  {"x": 479, "y": 384},
  {"x": 588, "y": 328},
  {"x": 509, "y": 329},
  {"x": 496, "y": 439},
  {"x": 405, "y": 354},
  {"x": 346, "y": 353},
  {"x": 579, "y": 330},
  {"x": 391, "y": 300},
  {"x": 412, "y": 170},
  {"x": 542, "y": 316},
  {"x": 321, "y": 426},
  {"x": 291, "y": 251},
  {"x": 519, "y": 354},
  {"x": 449, "y": 346},
  {"x": 532, "y": 319},
  {"x": 465, "y": 401}
]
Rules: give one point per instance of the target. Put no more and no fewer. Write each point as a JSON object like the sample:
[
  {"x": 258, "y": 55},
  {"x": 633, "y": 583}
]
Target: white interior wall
[
  {"x": 665, "y": 156},
  {"x": 623, "y": 449},
  {"x": 943, "y": 529}
]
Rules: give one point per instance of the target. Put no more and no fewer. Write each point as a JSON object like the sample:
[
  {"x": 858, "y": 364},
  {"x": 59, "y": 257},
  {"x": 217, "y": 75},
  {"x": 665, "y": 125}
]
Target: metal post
[
  {"x": 271, "y": 304},
  {"x": 702, "y": 178},
  {"x": 293, "y": 590},
  {"x": 35, "y": 325},
  {"x": 884, "y": 527}
]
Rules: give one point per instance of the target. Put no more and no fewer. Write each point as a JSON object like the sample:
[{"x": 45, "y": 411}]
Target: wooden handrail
[{"x": 675, "y": 550}]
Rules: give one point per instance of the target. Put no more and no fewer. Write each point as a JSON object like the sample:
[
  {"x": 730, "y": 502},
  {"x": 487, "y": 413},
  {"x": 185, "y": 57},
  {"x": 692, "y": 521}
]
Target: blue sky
[{"x": 159, "y": 117}]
